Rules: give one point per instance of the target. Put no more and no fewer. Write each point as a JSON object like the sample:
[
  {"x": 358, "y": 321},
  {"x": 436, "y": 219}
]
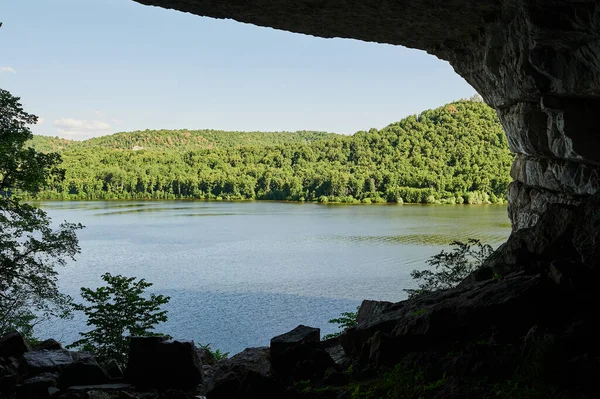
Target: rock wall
[
  {"x": 539, "y": 66},
  {"x": 537, "y": 62}
]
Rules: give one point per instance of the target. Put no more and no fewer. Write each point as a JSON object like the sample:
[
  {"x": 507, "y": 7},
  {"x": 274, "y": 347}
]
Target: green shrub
[
  {"x": 217, "y": 354},
  {"x": 116, "y": 311},
  {"x": 346, "y": 320},
  {"x": 450, "y": 267}
]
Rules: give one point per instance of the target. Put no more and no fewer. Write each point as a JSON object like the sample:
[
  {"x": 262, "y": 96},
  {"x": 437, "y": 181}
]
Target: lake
[{"x": 239, "y": 273}]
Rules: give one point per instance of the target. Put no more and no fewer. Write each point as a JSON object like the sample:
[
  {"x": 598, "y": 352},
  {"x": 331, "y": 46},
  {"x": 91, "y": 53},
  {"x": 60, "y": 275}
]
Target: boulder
[
  {"x": 45, "y": 361},
  {"x": 41, "y": 386},
  {"x": 444, "y": 318},
  {"x": 292, "y": 340},
  {"x": 13, "y": 344},
  {"x": 84, "y": 371},
  {"x": 297, "y": 354},
  {"x": 160, "y": 363},
  {"x": 245, "y": 375}
]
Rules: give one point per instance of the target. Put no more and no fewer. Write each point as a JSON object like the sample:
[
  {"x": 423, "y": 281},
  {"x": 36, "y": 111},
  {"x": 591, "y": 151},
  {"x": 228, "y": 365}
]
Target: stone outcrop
[
  {"x": 298, "y": 355},
  {"x": 535, "y": 61},
  {"x": 245, "y": 375},
  {"x": 155, "y": 362}
]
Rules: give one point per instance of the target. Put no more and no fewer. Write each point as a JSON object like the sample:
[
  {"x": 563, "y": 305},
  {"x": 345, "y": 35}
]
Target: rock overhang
[
  {"x": 537, "y": 62},
  {"x": 421, "y": 24}
]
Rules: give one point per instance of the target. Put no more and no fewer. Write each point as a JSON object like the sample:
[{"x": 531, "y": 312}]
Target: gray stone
[
  {"x": 573, "y": 178},
  {"x": 527, "y": 204},
  {"x": 45, "y": 361}
]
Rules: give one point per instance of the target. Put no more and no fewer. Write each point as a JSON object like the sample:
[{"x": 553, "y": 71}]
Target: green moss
[{"x": 419, "y": 312}]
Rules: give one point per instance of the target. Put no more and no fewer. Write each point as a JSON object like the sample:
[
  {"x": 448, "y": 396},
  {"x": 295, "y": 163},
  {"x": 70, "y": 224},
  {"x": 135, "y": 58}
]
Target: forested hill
[
  {"x": 178, "y": 140},
  {"x": 453, "y": 154}
]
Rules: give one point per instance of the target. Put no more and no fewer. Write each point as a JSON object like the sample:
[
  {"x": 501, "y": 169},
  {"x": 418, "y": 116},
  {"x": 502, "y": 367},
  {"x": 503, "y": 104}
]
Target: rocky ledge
[{"x": 521, "y": 326}]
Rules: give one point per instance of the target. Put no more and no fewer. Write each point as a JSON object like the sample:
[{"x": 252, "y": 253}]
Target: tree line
[{"x": 457, "y": 153}]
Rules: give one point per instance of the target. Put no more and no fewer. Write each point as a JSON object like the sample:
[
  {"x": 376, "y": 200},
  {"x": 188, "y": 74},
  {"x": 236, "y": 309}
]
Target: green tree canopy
[
  {"x": 30, "y": 249},
  {"x": 453, "y": 154}
]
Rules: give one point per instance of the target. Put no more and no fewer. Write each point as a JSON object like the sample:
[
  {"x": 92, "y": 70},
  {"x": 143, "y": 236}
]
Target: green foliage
[
  {"x": 450, "y": 267},
  {"x": 116, "y": 311},
  {"x": 346, "y": 320},
  {"x": 453, "y": 154},
  {"x": 178, "y": 140},
  {"x": 216, "y": 354},
  {"x": 30, "y": 249}
]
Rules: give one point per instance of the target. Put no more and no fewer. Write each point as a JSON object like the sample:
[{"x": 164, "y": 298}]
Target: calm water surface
[{"x": 239, "y": 273}]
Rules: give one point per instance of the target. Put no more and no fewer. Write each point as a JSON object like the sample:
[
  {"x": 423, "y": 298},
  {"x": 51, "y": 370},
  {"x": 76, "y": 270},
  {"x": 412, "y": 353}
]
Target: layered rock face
[{"x": 537, "y": 62}]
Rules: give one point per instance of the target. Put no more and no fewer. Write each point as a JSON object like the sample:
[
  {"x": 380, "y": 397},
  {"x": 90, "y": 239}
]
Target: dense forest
[
  {"x": 453, "y": 154},
  {"x": 180, "y": 140}
]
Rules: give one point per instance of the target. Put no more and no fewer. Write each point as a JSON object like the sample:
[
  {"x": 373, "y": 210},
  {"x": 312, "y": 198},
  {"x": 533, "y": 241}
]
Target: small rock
[{"x": 13, "y": 345}]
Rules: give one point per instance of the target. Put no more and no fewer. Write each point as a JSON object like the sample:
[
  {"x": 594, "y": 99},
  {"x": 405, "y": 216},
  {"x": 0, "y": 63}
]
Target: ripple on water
[{"x": 262, "y": 268}]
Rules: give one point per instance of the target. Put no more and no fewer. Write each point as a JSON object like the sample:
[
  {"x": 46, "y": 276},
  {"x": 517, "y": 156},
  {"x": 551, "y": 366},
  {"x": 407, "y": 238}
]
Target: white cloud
[
  {"x": 79, "y": 128},
  {"x": 7, "y": 69}
]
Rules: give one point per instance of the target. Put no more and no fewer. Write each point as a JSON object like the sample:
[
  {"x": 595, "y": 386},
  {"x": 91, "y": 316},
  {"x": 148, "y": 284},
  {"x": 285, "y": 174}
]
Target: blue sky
[{"x": 95, "y": 67}]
